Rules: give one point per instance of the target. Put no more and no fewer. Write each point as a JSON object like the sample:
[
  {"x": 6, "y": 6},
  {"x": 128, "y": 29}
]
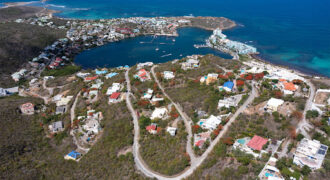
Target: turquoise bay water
[{"x": 287, "y": 32}]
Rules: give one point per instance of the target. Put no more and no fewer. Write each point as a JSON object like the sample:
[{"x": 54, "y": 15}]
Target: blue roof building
[
  {"x": 100, "y": 72},
  {"x": 228, "y": 86},
  {"x": 74, "y": 155},
  {"x": 110, "y": 75}
]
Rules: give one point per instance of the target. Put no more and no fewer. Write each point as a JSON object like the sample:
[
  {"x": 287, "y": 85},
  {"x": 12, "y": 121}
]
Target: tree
[
  {"x": 300, "y": 137},
  {"x": 312, "y": 114},
  {"x": 144, "y": 121},
  {"x": 305, "y": 170}
]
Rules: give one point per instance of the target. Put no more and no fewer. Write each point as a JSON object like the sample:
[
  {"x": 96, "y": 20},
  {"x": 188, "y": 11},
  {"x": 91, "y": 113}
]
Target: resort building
[{"x": 310, "y": 153}]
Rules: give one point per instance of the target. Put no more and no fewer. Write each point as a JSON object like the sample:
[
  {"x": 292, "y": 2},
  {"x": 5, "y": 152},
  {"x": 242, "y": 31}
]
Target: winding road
[
  {"x": 304, "y": 124},
  {"x": 195, "y": 161}
]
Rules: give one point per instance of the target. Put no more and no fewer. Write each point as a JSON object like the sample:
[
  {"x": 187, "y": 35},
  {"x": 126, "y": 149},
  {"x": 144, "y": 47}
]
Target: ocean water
[
  {"x": 287, "y": 32},
  {"x": 147, "y": 48}
]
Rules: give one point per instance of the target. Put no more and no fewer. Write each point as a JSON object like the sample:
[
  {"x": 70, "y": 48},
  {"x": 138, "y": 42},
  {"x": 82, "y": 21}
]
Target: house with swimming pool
[{"x": 251, "y": 146}]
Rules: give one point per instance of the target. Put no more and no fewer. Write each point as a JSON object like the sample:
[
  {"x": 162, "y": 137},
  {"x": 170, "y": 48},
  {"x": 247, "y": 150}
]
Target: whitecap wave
[
  {"x": 57, "y": 6},
  {"x": 80, "y": 9}
]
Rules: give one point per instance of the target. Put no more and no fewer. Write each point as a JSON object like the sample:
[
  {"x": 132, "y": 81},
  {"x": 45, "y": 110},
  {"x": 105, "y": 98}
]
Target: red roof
[
  {"x": 58, "y": 59},
  {"x": 223, "y": 76},
  {"x": 151, "y": 127},
  {"x": 142, "y": 72},
  {"x": 248, "y": 77},
  {"x": 289, "y": 86},
  {"x": 115, "y": 95},
  {"x": 229, "y": 73},
  {"x": 199, "y": 143},
  {"x": 239, "y": 83},
  {"x": 259, "y": 75},
  {"x": 257, "y": 142},
  {"x": 90, "y": 78}
]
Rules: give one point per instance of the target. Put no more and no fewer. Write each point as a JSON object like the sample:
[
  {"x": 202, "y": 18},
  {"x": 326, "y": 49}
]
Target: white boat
[
  {"x": 166, "y": 55},
  {"x": 157, "y": 49}
]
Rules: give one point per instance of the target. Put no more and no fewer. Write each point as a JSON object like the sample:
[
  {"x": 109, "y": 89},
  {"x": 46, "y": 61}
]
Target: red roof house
[
  {"x": 142, "y": 73},
  {"x": 115, "y": 95},
  {"x": 289, "y": 86},
  {"x": 199, "y": 143},
  {"x": 257, "y": 142},
  {"x": 152, "y": 128},
  {"x": 248, "y": 77},
  {"x": 90, "y": 78},
  {"x": 259, "y": 76},
  {"x": 222, "y": 76},
  {"x": 239, "y": 83}
]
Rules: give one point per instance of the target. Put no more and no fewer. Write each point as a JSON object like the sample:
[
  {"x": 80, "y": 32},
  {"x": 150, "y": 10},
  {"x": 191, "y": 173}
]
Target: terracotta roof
[
  {"x": 151, "y": 127},
  {"x": 289, "y": 86},
  {"x": 115, "y": 95},
  {"x": 257, "y": 142},
  {"x": 199, "y": 143},
  {"x": 142, "y": 72},
  {"x": 90, "y": 78},
  {"x": 239, "y": 83}
]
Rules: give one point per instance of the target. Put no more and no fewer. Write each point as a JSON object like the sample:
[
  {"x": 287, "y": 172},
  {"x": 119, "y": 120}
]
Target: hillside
[{"x": 19, "y": 42}]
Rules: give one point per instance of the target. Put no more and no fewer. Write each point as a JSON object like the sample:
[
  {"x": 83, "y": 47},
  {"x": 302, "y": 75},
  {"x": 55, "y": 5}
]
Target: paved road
[
  {"x": 304, "y": 124},
  {"x": 140, "y": 165},
  {"x": 73, "y": 115},
  {"x": 186, "y": 119}
]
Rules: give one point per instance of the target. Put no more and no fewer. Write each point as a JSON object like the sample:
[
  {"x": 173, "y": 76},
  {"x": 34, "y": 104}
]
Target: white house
[
  {"x": 159, "y": 113},
  {"x": 148, "y": 94},
  {"x": 168, "y": 75},
  {"x": 171, "y": 130},
  {"x": 141, "y": 65},
  {"x": 229, "y": 101},
  {"x": 273, "y": 104},
  {"x": 210, "y": 123},
  {"x": 92, "y": 125},
  {"x": 114, "y": 88}
]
